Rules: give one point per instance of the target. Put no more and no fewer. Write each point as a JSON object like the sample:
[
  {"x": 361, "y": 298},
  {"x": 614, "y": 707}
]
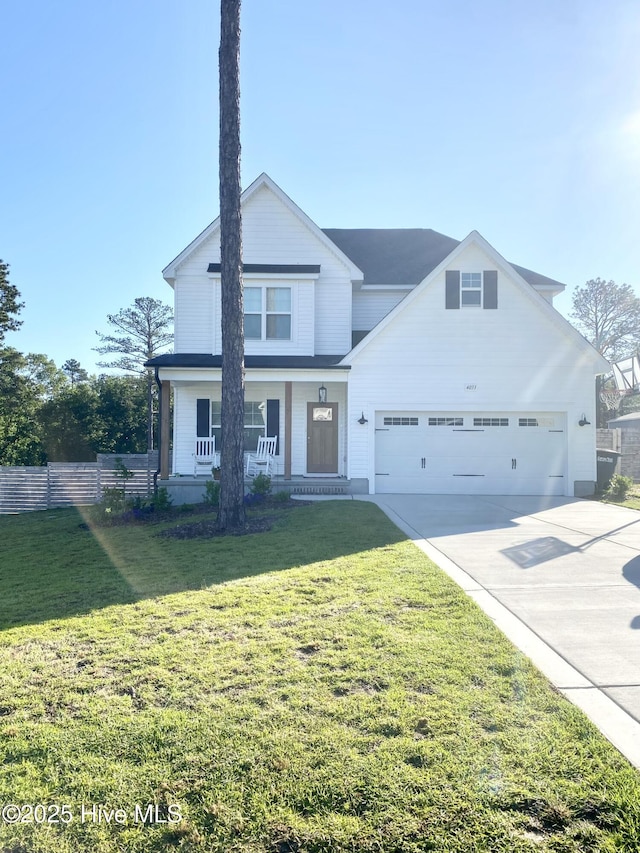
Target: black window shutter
[
  {"x": 203, "y": 409},
  {"x": 273, "y": 420},
  {"x": 452, "y": 289},
  {"x": 490, "y": 285}
]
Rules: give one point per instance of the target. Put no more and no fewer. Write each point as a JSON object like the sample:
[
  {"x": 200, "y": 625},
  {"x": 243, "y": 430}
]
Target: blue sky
[{"x": 516, "y": 119}]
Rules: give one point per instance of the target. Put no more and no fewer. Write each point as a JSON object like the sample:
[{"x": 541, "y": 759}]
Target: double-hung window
[
  {"x": 471, "y": 289},
  {"x": 254, "y": 423},
  {"x": 267, "y": 313}
]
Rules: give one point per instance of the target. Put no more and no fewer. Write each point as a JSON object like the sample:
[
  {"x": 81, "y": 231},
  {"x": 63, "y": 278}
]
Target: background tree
[
  {"x": 10, "y": 307},
  {"x": 74, "y": 372},
  {"x": 70, "y": 425},
  {"x": 231, "y": 514},
  {"x": 26, "y": 383},
  {"x": 143, "y": 331},
  {"x": 107, "y": 414},
  {"x": 608, "y": 315}
]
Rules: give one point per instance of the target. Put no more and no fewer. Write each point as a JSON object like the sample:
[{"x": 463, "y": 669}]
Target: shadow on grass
[{"x": 56, "y": 564}]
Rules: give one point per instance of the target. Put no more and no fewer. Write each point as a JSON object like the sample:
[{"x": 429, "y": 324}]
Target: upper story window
[
  {"x": 267, "y": 313},
  {"x": 471, "y": 289}
]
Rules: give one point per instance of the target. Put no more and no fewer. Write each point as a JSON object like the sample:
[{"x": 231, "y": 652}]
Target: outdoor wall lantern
[
  {"x": 362, "y": 420},
  {"x": 322, "y": 394},
  {"x": 583, "y": 420}
]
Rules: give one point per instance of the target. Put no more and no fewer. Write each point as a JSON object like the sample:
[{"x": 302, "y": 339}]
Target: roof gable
[
  {"x": 261, "y": 183},
  {"x": 475, "y": 239}
]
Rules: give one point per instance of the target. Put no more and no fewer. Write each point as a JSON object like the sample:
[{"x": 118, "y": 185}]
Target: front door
[{"x": 322, "y": 438}]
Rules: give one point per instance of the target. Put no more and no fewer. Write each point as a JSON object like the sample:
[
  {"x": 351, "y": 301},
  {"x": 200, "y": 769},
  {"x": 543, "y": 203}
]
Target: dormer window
[{"x": 267, "y": 313}]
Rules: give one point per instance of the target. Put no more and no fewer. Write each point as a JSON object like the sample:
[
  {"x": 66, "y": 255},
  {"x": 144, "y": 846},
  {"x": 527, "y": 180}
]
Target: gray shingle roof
[{"x": 405, "y": 255}]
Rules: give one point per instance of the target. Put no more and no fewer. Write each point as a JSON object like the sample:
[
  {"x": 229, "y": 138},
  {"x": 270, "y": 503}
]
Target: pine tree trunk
[{"x": 231, "y": 514}]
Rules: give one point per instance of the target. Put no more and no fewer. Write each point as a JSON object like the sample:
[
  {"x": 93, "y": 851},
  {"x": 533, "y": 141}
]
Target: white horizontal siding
[
  {"x": 369, "y": 307},
  {"x": 510, "y": 359},
  {"x": 273, "y": 234},
  {"x": 194, "y": 315}
]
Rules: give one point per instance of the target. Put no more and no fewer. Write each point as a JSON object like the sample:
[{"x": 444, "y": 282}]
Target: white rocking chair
[
  {"x": 205, "y": 456},
  {"x": 262, "y": 461}
]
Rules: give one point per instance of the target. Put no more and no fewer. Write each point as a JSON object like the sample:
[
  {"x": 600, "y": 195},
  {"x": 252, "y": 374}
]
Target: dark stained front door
[{"x": 322, "y": 438}]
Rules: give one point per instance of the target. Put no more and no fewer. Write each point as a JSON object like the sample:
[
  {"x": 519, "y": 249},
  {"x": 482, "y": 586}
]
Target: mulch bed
[{"x": 207, "y": 529}]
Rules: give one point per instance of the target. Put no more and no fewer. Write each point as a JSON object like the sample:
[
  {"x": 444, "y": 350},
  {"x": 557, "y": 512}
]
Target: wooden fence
[
  {"x": 627, "y": 442},
  {"x": 61, "y": 484}
]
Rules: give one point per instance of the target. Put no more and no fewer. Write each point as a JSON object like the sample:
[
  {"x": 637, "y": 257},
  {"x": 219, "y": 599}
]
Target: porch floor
[{"x": 191, "y": 489}]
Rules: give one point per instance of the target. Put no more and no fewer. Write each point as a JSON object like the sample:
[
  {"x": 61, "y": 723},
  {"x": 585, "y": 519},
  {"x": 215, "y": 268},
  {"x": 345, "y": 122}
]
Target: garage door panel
[{"x": 446, "y": 453}]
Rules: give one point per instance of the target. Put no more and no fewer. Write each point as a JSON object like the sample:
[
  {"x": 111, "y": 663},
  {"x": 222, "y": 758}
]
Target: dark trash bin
[{"x": 607, "y": 461}]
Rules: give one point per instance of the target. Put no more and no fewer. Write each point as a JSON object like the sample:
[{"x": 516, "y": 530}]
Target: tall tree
[
  {"x": 608, "y": 314},
  {"x": 74, "y": 372},
  {"x": 106, "y": 414},
  {"x": 9, "y": 305},
  {"x": 231, "y": 514},
  {"x": 27, "y": 382},
  {"x": 142, "y": 332}
]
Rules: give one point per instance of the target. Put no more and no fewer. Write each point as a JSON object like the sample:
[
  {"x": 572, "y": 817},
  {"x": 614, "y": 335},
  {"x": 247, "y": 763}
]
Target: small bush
[
  {"x": 162, "y": 500},
  {"x": 113, "y": 502},
  {"x": 212, "y": 493},
  {"x": 252, "y": 499},
  {"x": 281, "y": 497},
  {"x": 261, "y": 485},
  {"x": 122, "y": 472},
  {"x": 618, "y": 487}
]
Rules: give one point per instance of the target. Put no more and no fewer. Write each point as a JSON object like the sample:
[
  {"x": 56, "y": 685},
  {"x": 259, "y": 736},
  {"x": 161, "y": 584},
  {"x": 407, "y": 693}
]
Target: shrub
[
  {"x": 113, "y": 501},
  {"x": 261, "y": 485},
  {"x": 162, "y": 500},
  {"x": 618, "y": 487},
  {"x": 122, "y": 472},
  {"x": 212, "y": 493}
]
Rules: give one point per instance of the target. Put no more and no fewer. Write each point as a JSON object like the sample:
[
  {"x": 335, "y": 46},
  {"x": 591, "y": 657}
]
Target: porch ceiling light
[{"x": 322, "y": 394}]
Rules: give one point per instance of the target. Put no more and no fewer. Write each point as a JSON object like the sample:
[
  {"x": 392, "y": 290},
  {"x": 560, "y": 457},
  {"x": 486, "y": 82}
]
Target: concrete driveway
[{"x": 560, "y": 576}]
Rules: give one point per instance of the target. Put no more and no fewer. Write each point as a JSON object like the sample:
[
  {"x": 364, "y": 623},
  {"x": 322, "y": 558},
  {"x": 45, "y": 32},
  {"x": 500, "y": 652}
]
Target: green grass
[{"x": 322, "y": 688}]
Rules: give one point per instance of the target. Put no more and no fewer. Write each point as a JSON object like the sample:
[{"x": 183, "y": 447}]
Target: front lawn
[{"x": 319, "y": 688}]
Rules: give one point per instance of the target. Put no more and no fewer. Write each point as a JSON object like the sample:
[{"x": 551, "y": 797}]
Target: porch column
[
  {"x": 287, "y": 429},
  {"x": 165, "y": 388}
]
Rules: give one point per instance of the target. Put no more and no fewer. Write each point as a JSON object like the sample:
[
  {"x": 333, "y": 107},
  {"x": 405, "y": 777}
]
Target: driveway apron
[{"x": 568, "y": 569}]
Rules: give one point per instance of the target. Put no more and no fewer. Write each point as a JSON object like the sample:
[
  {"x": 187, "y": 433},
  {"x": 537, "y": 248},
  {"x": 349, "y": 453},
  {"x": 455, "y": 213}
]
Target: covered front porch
[
  {"x": 306, "y": 411},
  {"x": 189, "y": 490}
]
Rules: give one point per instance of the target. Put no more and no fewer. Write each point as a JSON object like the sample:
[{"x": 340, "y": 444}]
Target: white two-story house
[{"x": 384, "y": 360}]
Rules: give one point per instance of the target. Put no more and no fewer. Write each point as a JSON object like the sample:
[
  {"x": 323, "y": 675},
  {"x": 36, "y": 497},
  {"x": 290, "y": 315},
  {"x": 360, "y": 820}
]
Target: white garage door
[{"x": 522, "y": 453}]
